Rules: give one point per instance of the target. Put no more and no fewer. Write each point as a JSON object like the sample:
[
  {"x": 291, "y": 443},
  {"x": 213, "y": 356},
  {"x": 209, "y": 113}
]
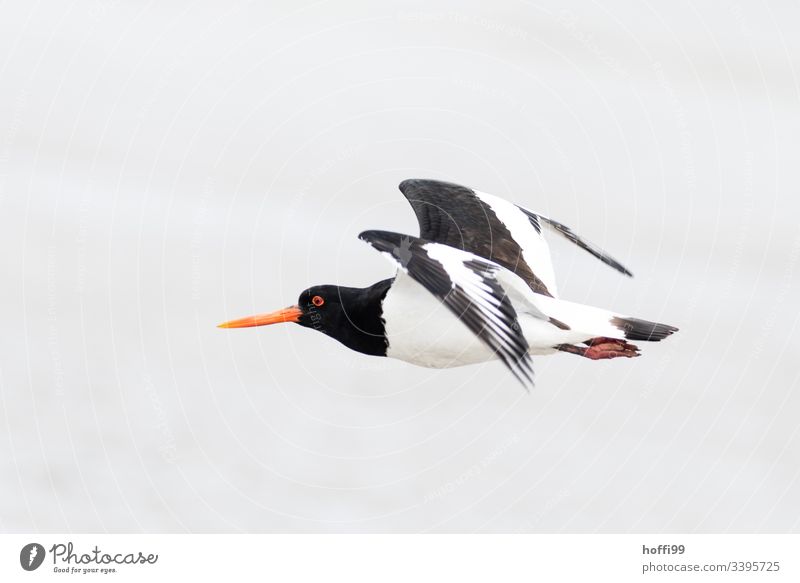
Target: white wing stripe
[
  {"x": 535, "y": 249},
  {"x": 472, "y": 283}
]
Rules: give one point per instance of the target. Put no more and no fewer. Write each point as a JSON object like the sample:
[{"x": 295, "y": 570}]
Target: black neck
[
  {"x": 355, "y": 317},
  {"x": 365, "y": 315}
]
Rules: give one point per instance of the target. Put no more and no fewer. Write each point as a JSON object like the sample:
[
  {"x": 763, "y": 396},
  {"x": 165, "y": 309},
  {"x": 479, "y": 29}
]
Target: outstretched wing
[
  {"x": 466, "y": 284},
  {"x": 492, "y": 228}
]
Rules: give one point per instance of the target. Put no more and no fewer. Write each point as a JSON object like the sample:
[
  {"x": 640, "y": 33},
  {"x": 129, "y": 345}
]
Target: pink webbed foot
[{"x": 603, "y": 348}]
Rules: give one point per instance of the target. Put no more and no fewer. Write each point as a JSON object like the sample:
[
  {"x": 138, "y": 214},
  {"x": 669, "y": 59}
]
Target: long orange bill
[{"x": 290, "y": 314}]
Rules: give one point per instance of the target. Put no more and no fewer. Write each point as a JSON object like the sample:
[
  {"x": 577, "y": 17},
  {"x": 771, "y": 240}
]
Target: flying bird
[{"x": 477, "y": 284}]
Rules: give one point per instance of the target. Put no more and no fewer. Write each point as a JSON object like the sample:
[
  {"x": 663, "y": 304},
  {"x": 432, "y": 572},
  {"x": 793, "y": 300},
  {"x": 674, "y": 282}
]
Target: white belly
[{"x": 423, "y": 331}]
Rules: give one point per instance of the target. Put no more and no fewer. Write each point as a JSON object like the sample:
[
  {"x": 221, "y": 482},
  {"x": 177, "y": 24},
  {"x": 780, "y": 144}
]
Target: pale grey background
[{"x": 168, "y": 165}]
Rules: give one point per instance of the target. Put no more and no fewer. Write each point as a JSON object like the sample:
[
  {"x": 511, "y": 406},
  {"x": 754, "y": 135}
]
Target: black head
[{"x": 353, "y": 316}]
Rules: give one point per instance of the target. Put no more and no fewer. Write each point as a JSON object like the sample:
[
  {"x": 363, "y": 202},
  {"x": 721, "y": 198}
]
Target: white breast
[{"x": 422, "y": 331}]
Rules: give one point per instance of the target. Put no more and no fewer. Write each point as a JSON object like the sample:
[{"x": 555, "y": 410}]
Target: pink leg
[{"x": 602, "y": 348}]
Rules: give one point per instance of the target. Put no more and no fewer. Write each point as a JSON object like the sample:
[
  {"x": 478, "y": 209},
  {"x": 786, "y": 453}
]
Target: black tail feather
[{"x": 636, "y": 329}]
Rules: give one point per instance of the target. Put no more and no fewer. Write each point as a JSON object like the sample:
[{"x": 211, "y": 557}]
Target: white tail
[{"x": 597, "y": 322}]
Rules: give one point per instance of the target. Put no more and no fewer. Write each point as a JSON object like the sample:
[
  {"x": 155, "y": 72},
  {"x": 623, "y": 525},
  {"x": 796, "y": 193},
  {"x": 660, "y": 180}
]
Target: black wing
[
  {"x": 472, "y": 294},
  {"x": 458, "y": 216}
]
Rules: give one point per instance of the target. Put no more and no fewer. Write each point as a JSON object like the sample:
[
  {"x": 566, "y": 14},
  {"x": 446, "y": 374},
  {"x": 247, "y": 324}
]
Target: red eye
[{"x": 317, "y": 301}]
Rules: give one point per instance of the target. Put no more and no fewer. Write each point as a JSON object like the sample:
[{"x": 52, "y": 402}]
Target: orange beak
[{"x": 290, "y": 314}]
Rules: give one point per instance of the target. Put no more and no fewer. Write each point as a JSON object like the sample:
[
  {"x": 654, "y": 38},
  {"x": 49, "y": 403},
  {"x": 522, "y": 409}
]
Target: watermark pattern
[
  {"x": 685, "y": 134},
  {"x": 81, "y": 269},
  {"x": 570, "y": 22},
  {"x": 319, "y": 172},
  {"x": 472, "y": 472},
  {"x": 15, "y": 125},
  {"x": 532, "y": 523},
  {"x": 167, "y": 448}
]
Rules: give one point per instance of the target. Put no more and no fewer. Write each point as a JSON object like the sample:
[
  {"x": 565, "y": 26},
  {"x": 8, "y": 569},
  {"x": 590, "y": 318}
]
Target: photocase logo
[
  {"x": 66, "y": 559},
  {"x": 31, "y": 556}
]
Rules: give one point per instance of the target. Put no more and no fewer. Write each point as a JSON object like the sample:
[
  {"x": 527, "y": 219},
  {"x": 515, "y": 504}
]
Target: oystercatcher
[{"x": 476, "y": 285}]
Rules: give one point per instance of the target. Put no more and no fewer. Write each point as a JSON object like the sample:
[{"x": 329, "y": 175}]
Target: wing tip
[
  {"x": 624, "y": 270},
  {"x": 569, "y": 234},
  {"x": 612, "y": 263},
  {"x": 522, "y": 370},
  {"x": 412, "y": 185},
  {"x": 408, "y": 184},
  {"x": 371, "y": 235}
]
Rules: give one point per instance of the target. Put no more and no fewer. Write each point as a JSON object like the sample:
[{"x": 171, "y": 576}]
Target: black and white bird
[{"x": 476, "y": 285}]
